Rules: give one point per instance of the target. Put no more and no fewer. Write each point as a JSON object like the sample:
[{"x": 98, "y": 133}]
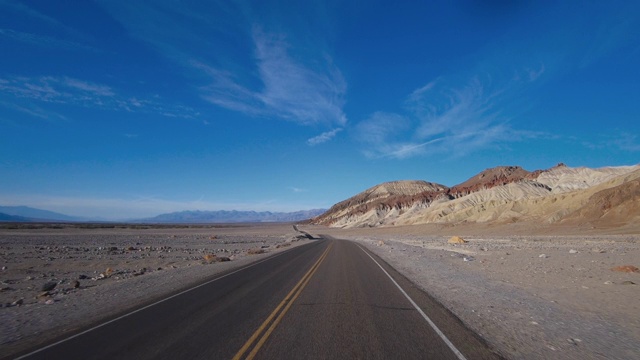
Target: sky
[{"x": 126, "y": 109}]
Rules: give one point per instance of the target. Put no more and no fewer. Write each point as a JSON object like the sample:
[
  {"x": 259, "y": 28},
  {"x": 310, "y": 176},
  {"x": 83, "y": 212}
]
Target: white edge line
[
  {"x": 148, "y": 306},
  {"x": 433, "y": 325}
]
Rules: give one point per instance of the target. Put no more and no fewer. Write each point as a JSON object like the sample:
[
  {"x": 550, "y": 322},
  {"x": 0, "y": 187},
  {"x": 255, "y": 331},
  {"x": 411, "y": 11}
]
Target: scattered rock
[
  {"x": 574, "y": 341},
  {"x": 83, "y": 277},
  {"x": 209, "y": 258},
  {"x": 75, "y": 284},
  {"x": 255, "y": 251},
  {"x": 573, "y": 251},
  {"x": 468, "y": 258},
  {"x": 380, "y": 243},
  {"x": 457, "y": 240},
  {"x": 212, "y": 237},
  {"x": 108, "y": 272},
  {"x": 49, "y": 286},
  {"x": 17, "y": 302},
  {"x": 608, "y": 282},
  {"x": 626, "y": 268},
  {"x": 49, "y": 302}
]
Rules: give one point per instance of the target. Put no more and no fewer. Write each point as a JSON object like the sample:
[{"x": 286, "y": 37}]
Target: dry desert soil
[{"x": 530, "y": 294}]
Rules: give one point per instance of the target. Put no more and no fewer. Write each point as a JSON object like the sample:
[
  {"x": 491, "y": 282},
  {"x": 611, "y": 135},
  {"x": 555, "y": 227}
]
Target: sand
[{"x": 529, "y": 296}]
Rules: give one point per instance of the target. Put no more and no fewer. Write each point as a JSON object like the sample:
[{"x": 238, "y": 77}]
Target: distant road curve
[{"x": 330, "y": 299}]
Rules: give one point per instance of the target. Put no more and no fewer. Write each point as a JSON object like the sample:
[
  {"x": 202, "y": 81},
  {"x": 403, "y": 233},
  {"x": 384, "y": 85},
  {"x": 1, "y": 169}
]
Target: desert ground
[{"x": 530, "y": 293}]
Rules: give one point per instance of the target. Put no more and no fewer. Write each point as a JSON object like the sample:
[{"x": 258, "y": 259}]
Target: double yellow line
[{"x": 279, "y": 312}]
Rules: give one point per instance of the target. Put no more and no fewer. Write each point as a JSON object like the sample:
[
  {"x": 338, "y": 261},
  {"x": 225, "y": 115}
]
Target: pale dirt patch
[
  {"x": 530, "y": 297},
  {"x": 145, "y": 265}
]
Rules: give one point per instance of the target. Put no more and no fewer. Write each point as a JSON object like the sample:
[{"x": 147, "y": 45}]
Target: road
[{"x": 330, "y": 299}]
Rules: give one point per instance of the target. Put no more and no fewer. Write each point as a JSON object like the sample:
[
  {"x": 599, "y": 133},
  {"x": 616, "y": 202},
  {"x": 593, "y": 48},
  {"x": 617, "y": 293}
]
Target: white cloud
[
  {"x": 627, "y": 142},
  {"x": 76, "y": 92},
  {"x": 291, "y": 90},
  {"x": 324, "y": 137},
  {"x": 440, "y": 119},
  {"x": 44, "y": 41}
]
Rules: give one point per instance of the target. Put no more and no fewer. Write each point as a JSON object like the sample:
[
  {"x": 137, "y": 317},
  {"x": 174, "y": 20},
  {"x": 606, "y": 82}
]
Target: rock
[
  {"x": 574, "y": 341},
  {"x": 49, "y": 286},
  {"x": 627, "y": 283},
  {"x": 626, "y": 268},
  {"x": 209, "y": 258},
  {"x": 17, "y": 302},
  {"x": 75, "y": 284},
  {"x": 543, "y": 256},
  {"x": 572, "y": 251},
  {"x": 457, "y": 240}
]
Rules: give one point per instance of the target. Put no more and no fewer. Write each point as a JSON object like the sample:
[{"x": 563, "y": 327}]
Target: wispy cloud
[
  {"x": 628, "y": 142},
  {"x": 324, "y": 137},
  {"x": 441, "y": 119},
  {"x": 290, "y": 90},
  {"x": 76, "y": 92},
  {"x": 34, "y": 111},
  {"x": 44, "y": 41},
  {"x": 298, "y": 190},
  {"x": 263, "y": 75}
]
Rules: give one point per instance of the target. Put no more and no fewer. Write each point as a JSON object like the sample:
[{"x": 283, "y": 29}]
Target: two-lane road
[{"x": 327, "y": 300}]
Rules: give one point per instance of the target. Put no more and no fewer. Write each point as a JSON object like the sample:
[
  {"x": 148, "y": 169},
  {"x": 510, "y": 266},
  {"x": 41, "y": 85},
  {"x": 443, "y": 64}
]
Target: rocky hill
[{"x": 506, "y": 194}]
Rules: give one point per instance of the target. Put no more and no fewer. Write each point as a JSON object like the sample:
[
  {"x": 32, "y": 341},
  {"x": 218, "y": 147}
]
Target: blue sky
[{"x": 121, "y": 109}]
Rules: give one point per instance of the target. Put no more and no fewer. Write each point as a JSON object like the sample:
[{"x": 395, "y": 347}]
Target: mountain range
[
  {"x": 29, "y": 214},
  {"x": 233, "y": 216},
  {"x": 602, "y": 197}
]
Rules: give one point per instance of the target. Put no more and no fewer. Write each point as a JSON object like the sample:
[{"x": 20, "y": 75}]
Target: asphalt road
[{"x": 327, "y": 300}]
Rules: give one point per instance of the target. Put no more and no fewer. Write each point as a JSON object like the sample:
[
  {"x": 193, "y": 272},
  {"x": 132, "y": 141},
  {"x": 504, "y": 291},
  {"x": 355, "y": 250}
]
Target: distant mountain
[
  {"x": 603, "y": 197},
  {"x": 12, "y": 218},
  {"x": 25, "y": 213},
  {"x": 233, "y": 216}
]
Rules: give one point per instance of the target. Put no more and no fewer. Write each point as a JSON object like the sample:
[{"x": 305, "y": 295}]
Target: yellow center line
[{"x": 288, "y": 301}]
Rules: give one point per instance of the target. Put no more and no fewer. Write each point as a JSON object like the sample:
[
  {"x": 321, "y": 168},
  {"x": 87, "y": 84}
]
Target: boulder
[{"x": 457, "y": 240}]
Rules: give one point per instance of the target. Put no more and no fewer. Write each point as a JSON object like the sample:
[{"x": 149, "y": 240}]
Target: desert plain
[{"x": 530, "y": 293}]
